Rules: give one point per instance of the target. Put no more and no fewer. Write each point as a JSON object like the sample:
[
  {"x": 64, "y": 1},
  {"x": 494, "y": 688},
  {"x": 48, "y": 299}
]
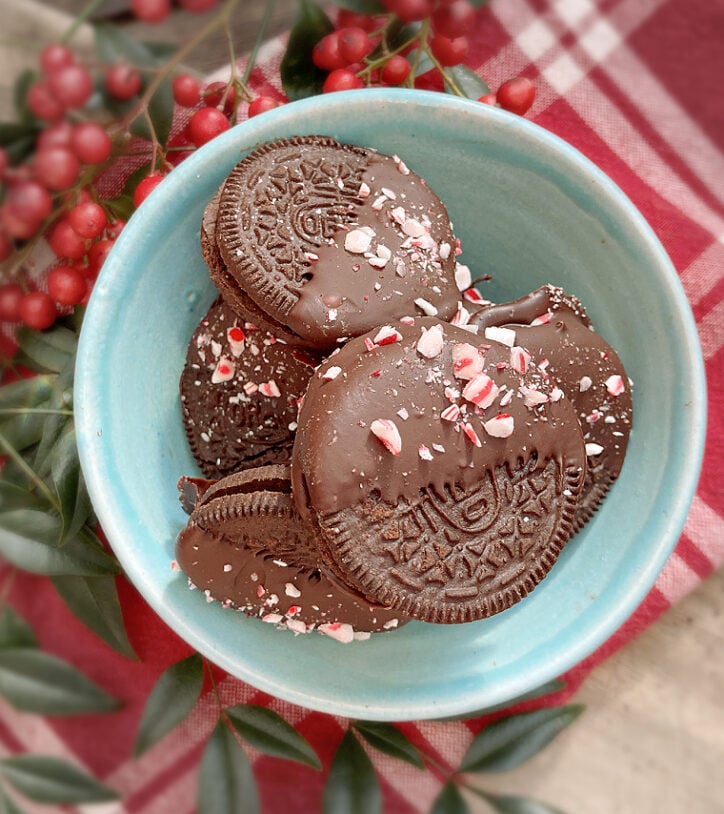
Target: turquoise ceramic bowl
[{"x": 529, "y": 209}]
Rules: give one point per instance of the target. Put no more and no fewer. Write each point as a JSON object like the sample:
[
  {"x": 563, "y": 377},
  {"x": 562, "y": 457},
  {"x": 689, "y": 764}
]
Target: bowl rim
[{"x": 95, "y": 468}]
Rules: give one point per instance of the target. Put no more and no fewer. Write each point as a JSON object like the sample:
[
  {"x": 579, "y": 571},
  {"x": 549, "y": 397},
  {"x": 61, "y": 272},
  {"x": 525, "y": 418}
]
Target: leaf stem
[
  {"x": 29, "y": 471},
  {"x": 81, "y": 18},
  {"x": 33, "y": 411},
  {"x": 268, "y": 11}
]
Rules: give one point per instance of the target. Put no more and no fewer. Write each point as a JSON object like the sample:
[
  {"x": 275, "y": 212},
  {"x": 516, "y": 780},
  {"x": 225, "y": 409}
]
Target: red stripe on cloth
[{"x": 694, "y": 557}]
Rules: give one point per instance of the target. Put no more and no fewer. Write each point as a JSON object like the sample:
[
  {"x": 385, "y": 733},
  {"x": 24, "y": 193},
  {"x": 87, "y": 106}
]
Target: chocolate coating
[
  {"x": 249, "y": 550},
  {"x": 447, "y": 523},
  {"x": 331, "y": 240},
  {"x": 239, "y": 391},
  {"x": 587, "y": 369}
]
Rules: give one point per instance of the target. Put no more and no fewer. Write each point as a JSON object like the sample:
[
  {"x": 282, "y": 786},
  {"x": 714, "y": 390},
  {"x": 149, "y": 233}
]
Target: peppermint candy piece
[{"x": 386, "y": 431}]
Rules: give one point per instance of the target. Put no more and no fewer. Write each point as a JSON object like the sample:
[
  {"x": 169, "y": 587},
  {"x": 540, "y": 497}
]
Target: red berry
[
  {"x": 57, "y": 134},
  {"x": 516, "y": 95},
  {"x": 14, "y": 226},
  {"x": 354, "y": 44},
  {"x": 261, "y": 105},
  {"x": 55, "y": 56},
  {"x": 395, "y": 70},
  {"x": 214, "y": 93},
  {"x": 341, "y": 79},
  {"x": 91, "y": 143},
  {"x": 151, "y": 11},
  {"x": 66, "y": 285},
  {"x": 65, "y": 241},
  {"x": 449, "y": 51},
  {"x": 206, "y": 124},
  {"x": 123, "y": 81},
  {"x": 37, "y": 310},
  {"x": 145, "y": 188},
  {"x": 198, "y": 6},
  {"x": 88, "y": 219},
  {"x": 353, "y": 19},
  {"x": 6, "y": 247},
  {"x": 72, "y": 85},
  {"x": 56, "y": 168},
  {"x": 488, "y": 99},
  {"x": 410, "y": 11},
  {"x": 29, "y": 201},
  {"x": 115, "y": 228},
  {"x": 10, "y": 296},
  {"x": 43, "y": 103},
  {"x": 326, "y": 55},
  {"x": 186, "y": 90},
  {"x": 97, "y": 255},
  {"x": 4, "y": 162},
  {"x": 453, "y": 19}
]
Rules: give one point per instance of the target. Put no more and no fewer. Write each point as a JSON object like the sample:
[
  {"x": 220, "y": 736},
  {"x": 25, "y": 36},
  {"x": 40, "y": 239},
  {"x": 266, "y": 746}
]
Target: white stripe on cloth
[
  {"x": 704, "y": 273},
  {"x": 710, "y": 331},
  {"x": 705, "y": 528},
  {"x": 677, "y": 579}
]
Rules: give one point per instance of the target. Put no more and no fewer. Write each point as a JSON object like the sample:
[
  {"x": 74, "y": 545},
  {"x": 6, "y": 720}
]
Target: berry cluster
[{"x": 53, "y": 196}]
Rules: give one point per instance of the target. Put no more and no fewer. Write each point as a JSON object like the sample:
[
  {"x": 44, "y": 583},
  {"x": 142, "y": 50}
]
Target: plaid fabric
[{"x": 635, "y": 85}]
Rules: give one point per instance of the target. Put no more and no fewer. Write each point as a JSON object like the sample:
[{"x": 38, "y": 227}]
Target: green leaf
[
  {"x": 66, "y": 475},
  {"x": 300, "y": 76},
  {"x": 512, "y": 804},
  {"x": 24, "y": 430},
  {"x": 450, "y": 801},
  {"x": 94, "y": 601},
  {"x": 268, "y": 732},
  {"x": 362, "y": 6},
  {"x": 35, "y": 681},
  {"x": 352, "y": 786},
  {"x": 14, "y": 630},
  {"x": 478, "y": 3},
  {"x": 388, "y": 739},
  {"x": 160, "y": 51},
  {"x": 49, "y": 350},
  {"x": 508, "y": 742},
  {"x": 8, "y": 806},
  {"x": 20, "y": 94},
  {"x": 424, "y": 63},
  {"x": 160, "y": 110},
  {"x": 226, "y": 781},
  {"x": 11, "y": 132},
  {"x": 55, "y": 426},
  {"x": 27, "y": 539},
  {"x": 467, "y": 81},
  {"x": 26, "y": 392},
  {"x": 51, "y": 780},
  {"x": 171, "y": 700},
  {"x": 121, "y": 207},
  {"x": 14, "y": 496}
]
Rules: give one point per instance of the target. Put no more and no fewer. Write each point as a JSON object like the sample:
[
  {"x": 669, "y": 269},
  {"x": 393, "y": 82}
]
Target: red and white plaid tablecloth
[{"x": 636, "y": 85}]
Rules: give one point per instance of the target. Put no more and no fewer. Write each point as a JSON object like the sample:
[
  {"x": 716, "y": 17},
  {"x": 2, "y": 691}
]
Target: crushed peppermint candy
[
  {"x": 481, "y": 390},
  {"x": 290, "y": 589},
  {"x": 451, "y": 413},
  {"x": 340, "y": 631},
  {"x": 431, "y": 342},
  {"x": 471, "y": 434},
  {"x": 593, "y": 449},
  {"x": 585, "y": 383},
  {"x": 235, "y": 337},
  {"x": 386, "y": 431},
  {"x": 269, "y": 389},
  {"x": 467, "y": 361},
  {"x": 461, "y": 317},
  {"x": 519, "y": 359},
  {"x": 363, "y": 191},
  {"x": 401, "y": 166},
  {"x": 614, "y": 385},
  {"x": 501, "y": 426},
  {"x": 331, "y": 373},
  {"x": 543, "y": 319},
  {"x": 556, "y": 394},
  {"x": 358, "y": 241},
  {"x": 224, "y": 371},
  {"x": 424, "y": 452},
  {"x": 403, "y": 413},
  {"x": 505, "y": 336},
  {"x": 387, "y": 335},
  {"x": 532, "y": 397},
  {"x": 426, "y": 307},
  {"x": 463, "y": 277}
]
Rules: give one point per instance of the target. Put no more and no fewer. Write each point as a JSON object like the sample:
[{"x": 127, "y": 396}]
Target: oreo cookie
[
  {"x": 246, "y": 546},
  {"x": 554, "y": 325},
  {"x": 328, "y": 240},
  {"x": 441, "y": 469},
  {"x": 239, "y": 392}
]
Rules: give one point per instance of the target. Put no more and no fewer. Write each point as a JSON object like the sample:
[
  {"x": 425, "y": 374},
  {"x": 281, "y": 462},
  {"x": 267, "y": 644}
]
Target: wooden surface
[{"x": 652, "y": 738}]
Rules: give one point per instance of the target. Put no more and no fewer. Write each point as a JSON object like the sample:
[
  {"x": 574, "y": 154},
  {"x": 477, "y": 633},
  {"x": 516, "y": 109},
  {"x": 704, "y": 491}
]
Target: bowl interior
[{"x": 528, "y": 209}]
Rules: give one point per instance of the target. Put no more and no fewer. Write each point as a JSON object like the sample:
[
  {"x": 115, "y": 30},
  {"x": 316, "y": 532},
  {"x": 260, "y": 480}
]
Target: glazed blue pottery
[{"x": 529, "y": 209}]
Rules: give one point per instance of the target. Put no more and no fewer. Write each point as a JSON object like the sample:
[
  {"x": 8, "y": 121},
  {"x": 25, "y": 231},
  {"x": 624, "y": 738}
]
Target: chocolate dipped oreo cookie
[
  {"x": 239, "y": 391},
  {"x": 441, "y": 469},
  {"x": 553, "y": 325},
  {"x": 329, "y": 240},
  {"x": 246, "y": 546}
]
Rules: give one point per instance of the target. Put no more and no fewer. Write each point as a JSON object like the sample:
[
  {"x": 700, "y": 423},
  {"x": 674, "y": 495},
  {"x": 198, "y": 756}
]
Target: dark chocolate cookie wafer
[
  {"x": 245, "y": 308},
  {"x": 239, "y": 392},
  {"x": 249, "y": 549},
  {"x": 329, "y": 240},
  {"x": 442, "y": 469},
  {"x": 552, "y": 324}
]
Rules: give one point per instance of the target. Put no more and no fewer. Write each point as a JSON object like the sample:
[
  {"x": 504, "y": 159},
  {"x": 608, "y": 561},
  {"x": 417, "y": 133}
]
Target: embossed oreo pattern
[{"x": 461, "y": 556}]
